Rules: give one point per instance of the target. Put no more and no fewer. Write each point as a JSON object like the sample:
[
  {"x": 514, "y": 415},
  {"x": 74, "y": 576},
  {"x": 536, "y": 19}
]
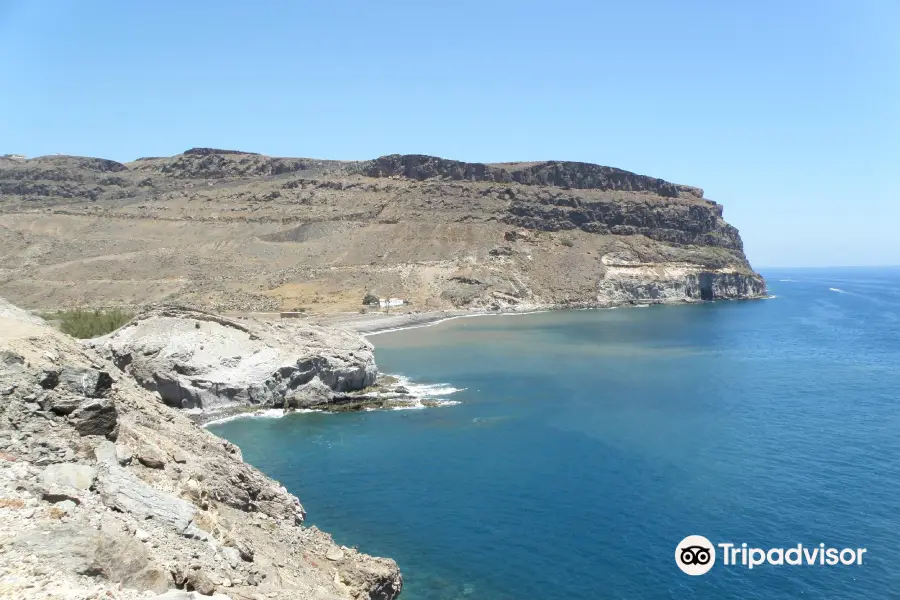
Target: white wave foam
[
  {"x": 268, "y": 413},
  {"x": 438, "y": 403},
  {"x": 838, "y": 290},
  {"x": 432, "y": 392},
  {"x": 789, "y": 280},
  {"x": 414, "y": 406},
  {"x": 427, "y": 390}
]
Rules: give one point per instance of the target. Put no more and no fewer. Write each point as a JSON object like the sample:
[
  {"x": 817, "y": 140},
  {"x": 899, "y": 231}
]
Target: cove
[{"x": 587, "y": 444}]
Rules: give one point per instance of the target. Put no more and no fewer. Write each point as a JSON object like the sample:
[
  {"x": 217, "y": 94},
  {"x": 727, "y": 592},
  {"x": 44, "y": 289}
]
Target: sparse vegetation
[
  {"x": 370, "y": 299},
  {"x": 567, "y": 242},
  {"x": 82, "y": 323}
]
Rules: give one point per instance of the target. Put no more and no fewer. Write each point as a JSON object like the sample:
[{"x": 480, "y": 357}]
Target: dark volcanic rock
[
  {"x": 88, "y": 382},
  {"x": 563, "y": 174},
  {"x": 95, "y": 417},
  {"x": 205, "y": 151},
  {"x": 698, "y": 224}
]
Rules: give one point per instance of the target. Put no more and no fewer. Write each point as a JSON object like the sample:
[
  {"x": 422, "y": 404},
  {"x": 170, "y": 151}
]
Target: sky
[{"x": 787, "y": 113}]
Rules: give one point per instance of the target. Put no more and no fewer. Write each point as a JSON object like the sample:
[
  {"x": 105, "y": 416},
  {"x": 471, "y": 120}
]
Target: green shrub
[
  {"x": 567, "y": 242},
  {"x": 370, "y": 299},
  {"x": 81, "y": 323}
]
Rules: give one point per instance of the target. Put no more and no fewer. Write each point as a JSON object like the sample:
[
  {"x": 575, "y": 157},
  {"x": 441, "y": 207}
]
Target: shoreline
[{"x": 369, "y": 324}]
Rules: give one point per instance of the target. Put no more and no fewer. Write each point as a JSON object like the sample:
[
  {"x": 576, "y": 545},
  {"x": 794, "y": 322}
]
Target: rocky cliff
[
  {"x": 227, "y": 230},
  {"x": 105, "y": 492},
  {"x": 197, "y": 360}
]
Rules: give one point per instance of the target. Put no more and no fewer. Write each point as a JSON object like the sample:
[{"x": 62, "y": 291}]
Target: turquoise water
[{"x": 589, "y": 443}]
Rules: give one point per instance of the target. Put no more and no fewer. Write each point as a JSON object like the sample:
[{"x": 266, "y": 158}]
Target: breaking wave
[
  {"x": 266, "y": 413},
  {"x": 417, "y": 405},
  {"x": 430, "y": 391}
]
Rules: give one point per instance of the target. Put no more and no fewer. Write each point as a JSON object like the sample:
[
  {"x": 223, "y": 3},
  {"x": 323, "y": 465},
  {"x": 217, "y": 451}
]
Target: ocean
[{"x": 586, "y": 444}]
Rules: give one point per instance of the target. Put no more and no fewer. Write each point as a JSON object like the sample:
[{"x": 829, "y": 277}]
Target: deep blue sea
[{"x": 588, "y": 443}]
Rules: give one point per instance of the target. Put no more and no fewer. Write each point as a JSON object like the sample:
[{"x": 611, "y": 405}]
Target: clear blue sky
[{"x": 787, "y": 112}]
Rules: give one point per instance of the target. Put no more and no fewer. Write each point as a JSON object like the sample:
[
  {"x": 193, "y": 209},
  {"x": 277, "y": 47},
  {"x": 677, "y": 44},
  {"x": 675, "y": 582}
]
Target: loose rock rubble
[{"x": 105, "y": 492}]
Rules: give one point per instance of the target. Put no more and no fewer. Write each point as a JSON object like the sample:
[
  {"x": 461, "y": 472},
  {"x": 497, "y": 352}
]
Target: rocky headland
[
  {"x": 108, "y": 493},
  {"x": 217, "y": 365},
  {"x": 239, "y": 232}
]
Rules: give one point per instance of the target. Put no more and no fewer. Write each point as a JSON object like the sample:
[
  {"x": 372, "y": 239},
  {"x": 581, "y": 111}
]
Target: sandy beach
[{"x": 370, "y": 323}]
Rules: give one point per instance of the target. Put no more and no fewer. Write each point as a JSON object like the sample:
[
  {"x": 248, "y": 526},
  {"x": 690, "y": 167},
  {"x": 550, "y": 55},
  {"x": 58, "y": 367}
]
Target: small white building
[{"x": 391, "y": 302}]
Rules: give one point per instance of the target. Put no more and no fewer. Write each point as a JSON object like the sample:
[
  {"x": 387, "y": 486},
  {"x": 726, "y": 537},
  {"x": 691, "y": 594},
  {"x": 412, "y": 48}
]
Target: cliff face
[
  {"x": 226, "y": 230},
  {"x": 197, "y": 360},
  {"x": 106, "y": 492},
  {"x": 562, "y": 174}
]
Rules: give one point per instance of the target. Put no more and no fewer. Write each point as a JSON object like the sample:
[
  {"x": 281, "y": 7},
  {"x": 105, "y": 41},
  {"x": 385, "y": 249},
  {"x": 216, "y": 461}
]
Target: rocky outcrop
[
  {"x": 206, "y": 151},
  {"x": 693, "y": 224},
  {"x": 194, "y": 359},
  {"x": 563, "y": 174},
  {"x": 152, "y": 504},
  {"x": 654, "y": 284},
  {"x": 211, "y": 163}
]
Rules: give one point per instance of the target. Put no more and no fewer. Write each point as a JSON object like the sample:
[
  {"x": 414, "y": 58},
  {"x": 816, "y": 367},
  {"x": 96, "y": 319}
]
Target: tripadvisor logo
[{"x": 696, "y": 555}]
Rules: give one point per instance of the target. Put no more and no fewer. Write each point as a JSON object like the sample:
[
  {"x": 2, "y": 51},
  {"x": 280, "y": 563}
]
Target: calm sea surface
[{"x": 587, "y": 444}]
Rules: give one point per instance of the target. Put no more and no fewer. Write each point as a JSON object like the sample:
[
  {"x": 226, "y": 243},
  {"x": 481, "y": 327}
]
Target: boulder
[
  {"x": 82, "y": 550},
  {"x": 80, "y": 477},
  {"x": 61, "y": 403},
  {"x": 67, "y": 506},
  {"x": 123, "y": 454},
  {"x": 334, "y": 554},
  {"x": 150, "y": 455},
  {"x": 48, "y": 378},
  {"x": 105, "y": 452},
  {"x": 310, "y": 395},
  {"x": 232, "y": 556},
  {"x": 200, "y": 582},
  {"x": 121, "y": 490},
  {"x": 85, "y": 381},
  {"x": 95, "y": 417}
]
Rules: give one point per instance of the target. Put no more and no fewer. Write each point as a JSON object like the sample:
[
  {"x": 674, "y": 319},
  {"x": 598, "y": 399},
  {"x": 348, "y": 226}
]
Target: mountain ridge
[{"x": 231, "y": 230}]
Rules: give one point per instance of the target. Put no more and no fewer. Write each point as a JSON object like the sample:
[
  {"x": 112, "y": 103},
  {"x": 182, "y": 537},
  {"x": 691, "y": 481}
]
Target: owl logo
[{"x": 695, "y": 555}]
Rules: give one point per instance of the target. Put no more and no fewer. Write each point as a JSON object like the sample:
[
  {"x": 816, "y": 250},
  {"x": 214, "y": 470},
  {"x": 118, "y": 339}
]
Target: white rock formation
[{"x": 199, "y": 360}]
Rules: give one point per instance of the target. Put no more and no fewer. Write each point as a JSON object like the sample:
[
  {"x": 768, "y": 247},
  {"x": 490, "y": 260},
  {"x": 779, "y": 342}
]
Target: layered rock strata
[
  {"x": 236, "y": 231},
  {"x": 105, "y": 492}
]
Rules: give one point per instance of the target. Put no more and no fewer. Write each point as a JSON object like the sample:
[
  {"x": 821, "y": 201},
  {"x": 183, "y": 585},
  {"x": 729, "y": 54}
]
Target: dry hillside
[{"x": 238, "y": 231}]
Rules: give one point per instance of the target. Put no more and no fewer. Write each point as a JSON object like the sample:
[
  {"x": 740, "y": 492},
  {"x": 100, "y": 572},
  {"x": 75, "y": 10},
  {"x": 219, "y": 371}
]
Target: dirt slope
[{"x": 244, "y": 232}]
